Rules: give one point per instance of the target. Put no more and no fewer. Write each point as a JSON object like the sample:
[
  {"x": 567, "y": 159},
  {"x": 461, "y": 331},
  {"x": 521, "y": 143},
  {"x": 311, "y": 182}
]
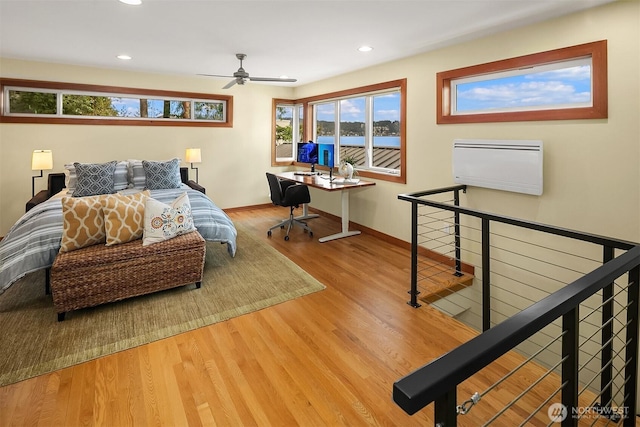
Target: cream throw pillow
[
  {"x": 83, "y": 222},
  {"x": 124, "y": 217},
  {"x": 163, "y": 222}
]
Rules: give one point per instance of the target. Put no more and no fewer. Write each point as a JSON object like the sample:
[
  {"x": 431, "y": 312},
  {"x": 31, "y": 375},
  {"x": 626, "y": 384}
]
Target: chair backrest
[{"x": 274, "y": 187}]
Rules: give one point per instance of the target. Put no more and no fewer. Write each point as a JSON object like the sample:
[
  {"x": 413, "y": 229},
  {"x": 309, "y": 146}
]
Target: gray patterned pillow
[
  {"x": 162, "y": 175},
  {"x": 94, "y": 178}
]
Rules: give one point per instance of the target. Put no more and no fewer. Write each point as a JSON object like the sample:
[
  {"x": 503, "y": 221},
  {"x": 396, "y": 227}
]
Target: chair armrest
[
  {"x": 191, "y": 183},
  {"x": 37, "y": 199},
  {"x": 285, "y": 183}
]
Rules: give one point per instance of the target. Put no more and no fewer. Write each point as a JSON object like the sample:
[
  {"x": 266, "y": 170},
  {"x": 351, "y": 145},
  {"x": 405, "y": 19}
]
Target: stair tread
[{"x": 438, "y": 281}]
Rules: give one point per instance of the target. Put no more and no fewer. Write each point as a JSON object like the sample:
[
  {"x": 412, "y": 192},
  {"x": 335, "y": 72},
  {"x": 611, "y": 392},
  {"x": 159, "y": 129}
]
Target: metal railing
[{"x": 611, "y": 339}]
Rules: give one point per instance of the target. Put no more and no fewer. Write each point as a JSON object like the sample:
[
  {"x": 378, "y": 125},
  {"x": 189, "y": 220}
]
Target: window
[
  {"x": 369, "y": 127},
  {"x": 50, "y": 102},
  {"x": 365, "y": 123},
  {"x": 288, "y": 126},
  {"x": 562, "y": 84}
]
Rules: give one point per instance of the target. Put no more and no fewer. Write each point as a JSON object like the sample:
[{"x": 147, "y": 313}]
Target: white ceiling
[{"x": 305, "y": 39}]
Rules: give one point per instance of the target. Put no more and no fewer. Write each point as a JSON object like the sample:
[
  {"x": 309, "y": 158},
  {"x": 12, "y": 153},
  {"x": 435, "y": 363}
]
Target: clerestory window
[
  {"x": 50, "y": 102},
  {"x": 562, "y": 84}
]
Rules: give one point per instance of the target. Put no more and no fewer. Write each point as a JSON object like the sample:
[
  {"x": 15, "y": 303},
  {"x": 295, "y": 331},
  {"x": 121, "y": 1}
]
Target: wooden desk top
[{"x": 322, "y": 181}]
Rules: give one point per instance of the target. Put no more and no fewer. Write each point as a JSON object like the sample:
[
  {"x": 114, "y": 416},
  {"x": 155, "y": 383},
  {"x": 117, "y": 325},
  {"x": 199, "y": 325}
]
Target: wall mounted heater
[{"x": 500, "y": 164}]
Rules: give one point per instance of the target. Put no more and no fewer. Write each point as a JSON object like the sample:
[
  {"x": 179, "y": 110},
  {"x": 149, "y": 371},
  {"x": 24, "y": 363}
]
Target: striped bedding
[{"x": 33, "y": 242}]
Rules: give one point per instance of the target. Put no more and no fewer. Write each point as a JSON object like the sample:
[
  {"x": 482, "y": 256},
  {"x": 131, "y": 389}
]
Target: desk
[{"x": 323, "y": 183}]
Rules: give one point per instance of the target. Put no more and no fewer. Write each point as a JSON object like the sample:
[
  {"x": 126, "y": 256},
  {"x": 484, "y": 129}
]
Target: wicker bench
[{"x": 99, "y": 274}]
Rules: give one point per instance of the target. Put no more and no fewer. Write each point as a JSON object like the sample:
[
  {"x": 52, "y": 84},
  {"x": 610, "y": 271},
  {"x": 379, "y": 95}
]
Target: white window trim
[{"x": 295, "y": 134}]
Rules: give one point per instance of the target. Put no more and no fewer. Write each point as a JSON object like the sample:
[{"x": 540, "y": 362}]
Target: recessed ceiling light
[
  {"x": 131, "y": 2},
  {"x": 123, "y": 57},
  {"x": 365, "y": 49}
]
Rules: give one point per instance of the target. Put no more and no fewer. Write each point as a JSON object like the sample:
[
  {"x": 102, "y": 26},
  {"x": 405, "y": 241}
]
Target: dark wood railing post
[
  {"x": 486, "y": 277},
  {"x": 413, "y": 292},
  {"x": 607, "y": 337},
  {"x": 570, "y": 365},
  {"x": 445, "y": 411},
  {"x": 631, "y": 352}
]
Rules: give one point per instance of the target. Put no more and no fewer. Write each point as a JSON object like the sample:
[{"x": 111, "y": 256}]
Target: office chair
[{"x": 289, "y": 194}]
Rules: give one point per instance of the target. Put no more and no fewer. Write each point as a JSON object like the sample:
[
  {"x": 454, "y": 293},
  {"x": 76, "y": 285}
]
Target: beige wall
[
  {"x": 591, "y": 171},
  {"x": 592, "y": 178},
  {"x": 233, "y": 159}
]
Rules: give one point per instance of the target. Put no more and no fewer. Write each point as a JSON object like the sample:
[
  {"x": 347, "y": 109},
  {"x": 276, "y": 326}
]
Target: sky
[
  {"x": 386, "y": 107},
  {"x": 566, "y": 86}
]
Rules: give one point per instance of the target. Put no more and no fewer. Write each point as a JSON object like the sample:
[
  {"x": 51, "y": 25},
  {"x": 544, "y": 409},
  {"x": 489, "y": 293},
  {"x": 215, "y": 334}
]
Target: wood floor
[{"x": 329, "y": 358}]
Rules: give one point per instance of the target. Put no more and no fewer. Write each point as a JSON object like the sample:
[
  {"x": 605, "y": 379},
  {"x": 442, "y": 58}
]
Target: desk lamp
[
  {"x": 193, "y": 156},
  {"x": 40, "y": 160}
]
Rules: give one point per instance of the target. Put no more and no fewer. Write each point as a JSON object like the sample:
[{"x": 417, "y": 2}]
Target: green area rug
[{"x": 33, "y": 342}]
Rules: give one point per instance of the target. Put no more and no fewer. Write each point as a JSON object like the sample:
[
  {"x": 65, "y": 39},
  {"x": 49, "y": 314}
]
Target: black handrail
[
  {"x": 587, "y": 237},
  {"x": 440, "y": 377},
  {"x": 437, "y": 382}
]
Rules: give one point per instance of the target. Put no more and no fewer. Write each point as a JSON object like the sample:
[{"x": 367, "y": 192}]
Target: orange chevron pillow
[
  {"x": 83, "y": 222},
  {"x": 124, "y": 217}
]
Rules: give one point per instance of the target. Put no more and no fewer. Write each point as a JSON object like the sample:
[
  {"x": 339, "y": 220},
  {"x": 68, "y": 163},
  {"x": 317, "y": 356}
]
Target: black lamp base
[
  {"x": 33, "y": 183},
  {"x": 196, "y": 173}
]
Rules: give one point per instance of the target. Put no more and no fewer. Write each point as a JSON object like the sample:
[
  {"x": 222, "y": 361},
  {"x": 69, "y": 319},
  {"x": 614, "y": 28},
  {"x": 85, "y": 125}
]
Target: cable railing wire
[
  {"x": 525, "y": 391},
  {"x": 546, "y": 247}
]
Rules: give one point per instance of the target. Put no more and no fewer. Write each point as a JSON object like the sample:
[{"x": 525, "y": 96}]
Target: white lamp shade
[
  {"x": 193, "y": 155},
  {"x": 42, "y": 160}
]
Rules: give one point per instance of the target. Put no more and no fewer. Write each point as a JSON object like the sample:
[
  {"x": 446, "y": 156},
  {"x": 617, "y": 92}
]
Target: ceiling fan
[{"x": 241, "y": 76}]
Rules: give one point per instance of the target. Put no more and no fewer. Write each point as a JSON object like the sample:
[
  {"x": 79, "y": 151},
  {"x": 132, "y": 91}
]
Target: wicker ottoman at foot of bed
[{"x": 99, "y": 274}]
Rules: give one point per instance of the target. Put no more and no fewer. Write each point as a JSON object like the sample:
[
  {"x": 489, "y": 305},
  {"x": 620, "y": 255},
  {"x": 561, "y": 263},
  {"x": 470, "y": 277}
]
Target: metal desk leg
[
  {"x": 345, "y": 221},
  {"x": 306, "y": 214}
]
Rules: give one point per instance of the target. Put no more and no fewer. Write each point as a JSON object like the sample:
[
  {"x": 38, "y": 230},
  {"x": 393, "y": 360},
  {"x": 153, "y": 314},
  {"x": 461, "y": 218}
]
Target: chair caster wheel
[
  {"x": 311, "y": 234},
  {"x": 286, "y": 238},
  {"x": 282, "y": 227},
  {"x": 269, "y": 233}
]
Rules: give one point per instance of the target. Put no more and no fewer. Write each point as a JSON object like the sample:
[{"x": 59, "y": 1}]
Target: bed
[{"x": 33, "y": 241}]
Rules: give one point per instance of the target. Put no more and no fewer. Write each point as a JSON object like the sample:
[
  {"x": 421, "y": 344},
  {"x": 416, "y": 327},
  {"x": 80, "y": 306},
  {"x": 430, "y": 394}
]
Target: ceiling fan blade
[
  {"x": 231, "y": 83},
  {"x": 214, "y": 75},
  {"x": 271, "y": 79}
]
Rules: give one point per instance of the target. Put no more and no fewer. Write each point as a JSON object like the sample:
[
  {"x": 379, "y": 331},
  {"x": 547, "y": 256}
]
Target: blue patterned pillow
[
  {"x": 162, "y": 175},
  {"x": 94, "y": 178}
]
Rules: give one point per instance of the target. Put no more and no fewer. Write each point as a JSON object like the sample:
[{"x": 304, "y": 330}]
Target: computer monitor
[
  {"x": 307, "y": 153},
  {"x": 326, "y": 154}
]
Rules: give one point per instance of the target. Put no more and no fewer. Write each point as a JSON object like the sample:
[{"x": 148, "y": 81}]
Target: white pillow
[{"x": 163, "y": 222}]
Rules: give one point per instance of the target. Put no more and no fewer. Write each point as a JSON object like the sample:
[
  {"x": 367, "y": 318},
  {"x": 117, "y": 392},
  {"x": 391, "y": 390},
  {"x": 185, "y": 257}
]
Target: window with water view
[
  {"x": 368, "y": 128},
  {"x": 365, "y": 124}
]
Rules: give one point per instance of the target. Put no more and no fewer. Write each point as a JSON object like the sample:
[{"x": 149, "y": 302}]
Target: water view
[{"x": 358, "y": 141}]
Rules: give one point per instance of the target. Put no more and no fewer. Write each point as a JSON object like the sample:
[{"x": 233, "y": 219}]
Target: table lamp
[
  {"x": 193, "y": 156},
  {"x": 40, "y": 160}
]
